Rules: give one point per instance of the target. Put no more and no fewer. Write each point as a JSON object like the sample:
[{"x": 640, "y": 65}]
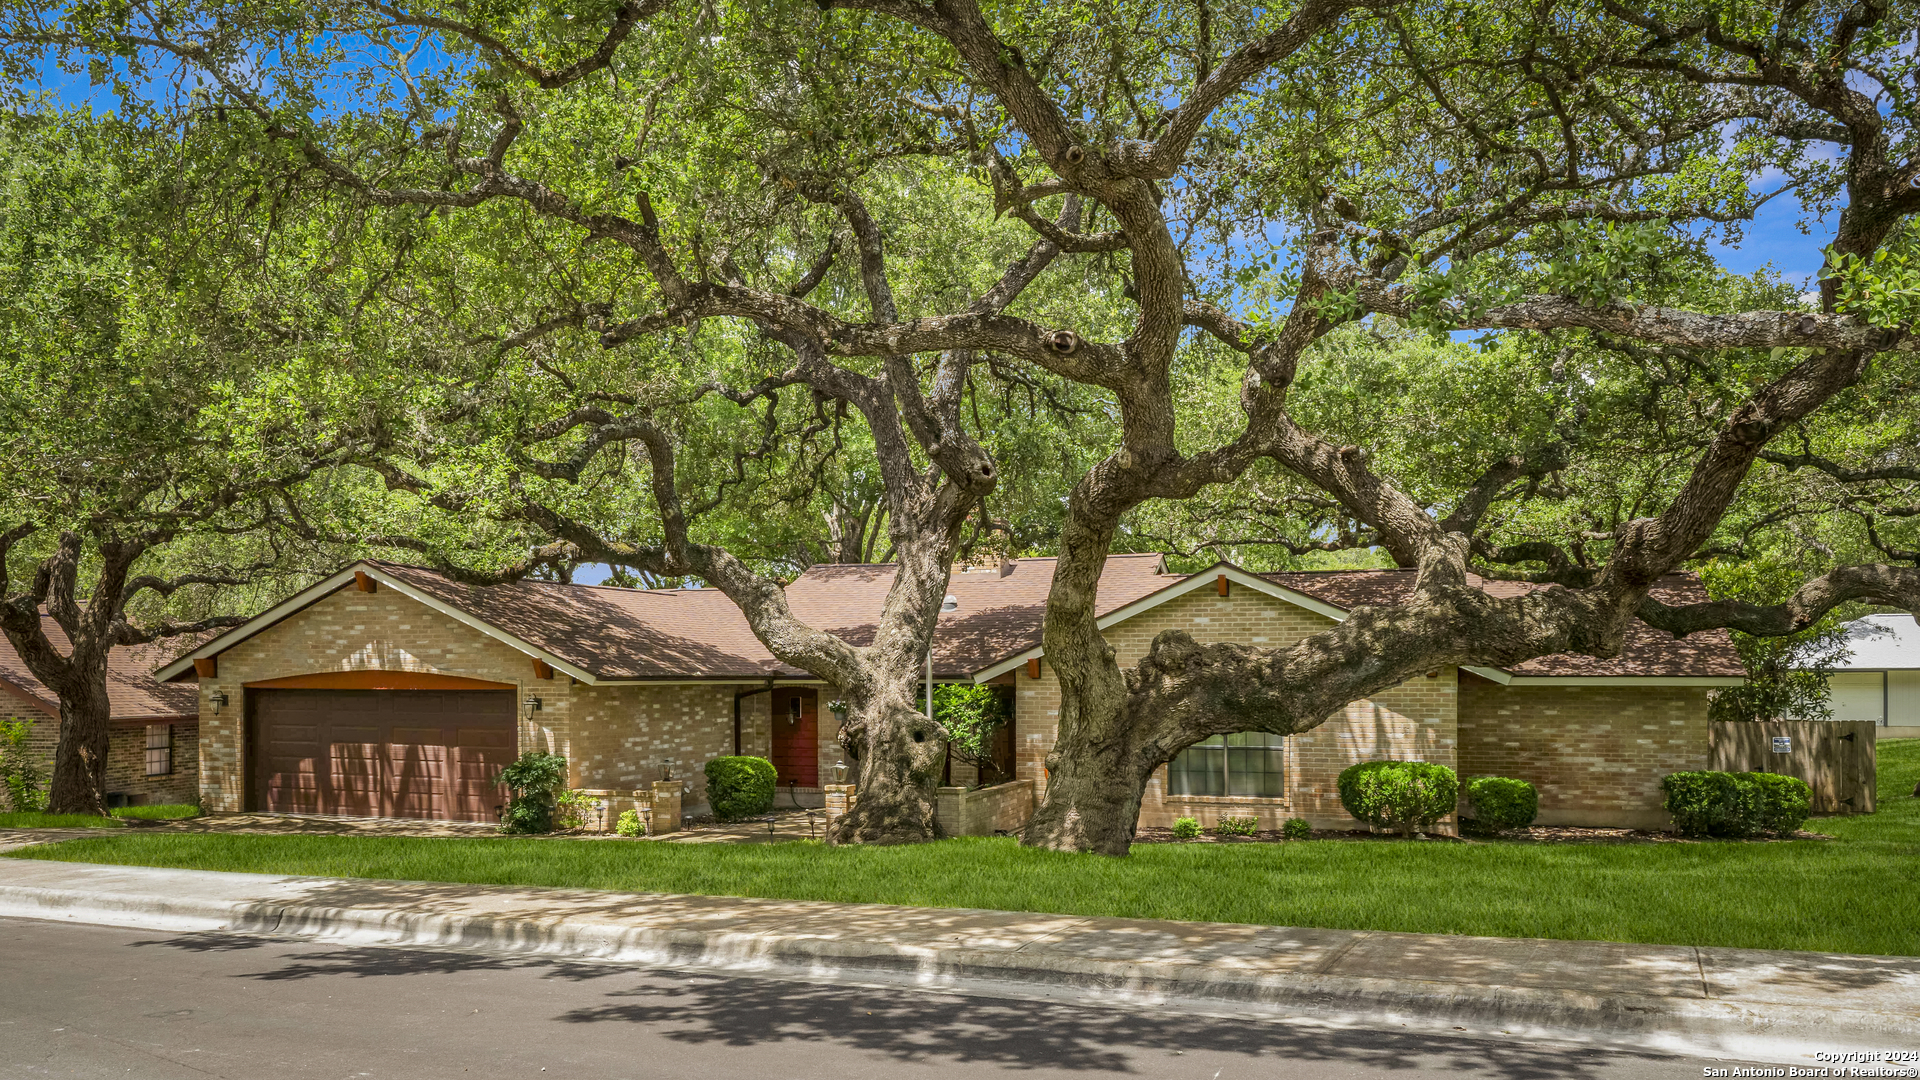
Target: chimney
[{"x": 1006, "y": 567}]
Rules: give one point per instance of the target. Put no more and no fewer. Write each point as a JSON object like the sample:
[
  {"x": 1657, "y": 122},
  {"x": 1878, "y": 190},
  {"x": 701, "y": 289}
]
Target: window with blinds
[
  {"x": 159, "y": 749},
  {"x": 1248, "y": 764}
]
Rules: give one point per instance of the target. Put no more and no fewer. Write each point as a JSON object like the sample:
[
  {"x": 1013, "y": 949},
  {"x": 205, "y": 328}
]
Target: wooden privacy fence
[{"x": 1834, "y": 757}]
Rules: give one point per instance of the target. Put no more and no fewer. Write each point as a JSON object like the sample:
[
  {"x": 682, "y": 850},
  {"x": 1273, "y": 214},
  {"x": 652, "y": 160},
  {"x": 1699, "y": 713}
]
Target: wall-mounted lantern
[
  {"x": 218, "y": 700},
  {"x": 532, "y": 705}
]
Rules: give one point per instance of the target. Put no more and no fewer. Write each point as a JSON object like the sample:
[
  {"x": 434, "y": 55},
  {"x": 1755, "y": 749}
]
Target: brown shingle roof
[
  {"x": 619, "y": 634},
  {"x": 132, "y": 692},
  {"x": 616, "y": 634},
  {"x": 1646, "y": 651}
]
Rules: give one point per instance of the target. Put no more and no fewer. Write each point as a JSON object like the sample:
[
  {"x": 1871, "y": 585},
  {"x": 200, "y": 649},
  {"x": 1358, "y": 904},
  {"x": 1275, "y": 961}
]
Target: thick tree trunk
[
  {"x": 899, "y": 757},
  {"x": 1094, "y": 787},
  {"x": 80, "y": 759}
]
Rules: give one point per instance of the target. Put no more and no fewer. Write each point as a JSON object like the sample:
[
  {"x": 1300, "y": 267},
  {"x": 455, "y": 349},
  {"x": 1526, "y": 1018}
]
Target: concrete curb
[{"x": 1689, "y": 1026}]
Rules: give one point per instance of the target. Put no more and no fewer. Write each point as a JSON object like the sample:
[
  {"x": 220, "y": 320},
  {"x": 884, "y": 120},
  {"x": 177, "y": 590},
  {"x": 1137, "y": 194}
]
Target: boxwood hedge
[
  {"x": 1403, "y": 795},
  {"x": 739, "y": 787}
]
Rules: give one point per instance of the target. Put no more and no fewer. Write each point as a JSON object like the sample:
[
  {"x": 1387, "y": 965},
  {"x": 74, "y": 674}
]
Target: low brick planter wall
[{"x": 983, "y": 811}]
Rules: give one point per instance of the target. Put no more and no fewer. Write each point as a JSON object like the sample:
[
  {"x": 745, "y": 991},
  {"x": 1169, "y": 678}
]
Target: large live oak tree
[
  {"x": 1238, "y": 180},
  {"x": 156, "y": 406}
]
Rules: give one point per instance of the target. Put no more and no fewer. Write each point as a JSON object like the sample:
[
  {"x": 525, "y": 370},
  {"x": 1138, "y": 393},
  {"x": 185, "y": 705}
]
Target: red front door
[{"x": 796, "y": 736}]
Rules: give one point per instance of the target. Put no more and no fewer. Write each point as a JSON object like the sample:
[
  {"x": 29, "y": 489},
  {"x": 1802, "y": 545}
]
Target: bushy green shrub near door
[
  {"x": 536, "y": 780},
  {"x": 740, "y": 787}
]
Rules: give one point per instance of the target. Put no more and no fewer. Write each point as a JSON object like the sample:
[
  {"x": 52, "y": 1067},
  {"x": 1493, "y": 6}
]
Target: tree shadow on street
[{"x": 912, "y": 1025}]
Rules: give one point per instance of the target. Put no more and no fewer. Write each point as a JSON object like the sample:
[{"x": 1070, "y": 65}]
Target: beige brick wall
[
  {"x": 612, "y": 736},
  {"x": 1595, "y": 753},
  {"x": 126, "y": 755},
  {"x": 983, "y": 811},
  {"x": 619, "y": 734},
  {"x": 1414, "y": 721},
  {"x": 127, "y": 766}
]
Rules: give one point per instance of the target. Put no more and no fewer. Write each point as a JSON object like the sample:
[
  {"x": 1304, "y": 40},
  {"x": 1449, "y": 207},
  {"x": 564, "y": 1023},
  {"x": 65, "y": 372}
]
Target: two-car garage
[{"x": 423, "y": 752}]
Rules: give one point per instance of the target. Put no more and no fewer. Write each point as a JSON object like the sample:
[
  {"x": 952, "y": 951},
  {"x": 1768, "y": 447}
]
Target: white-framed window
[
  {"x": 1247, "y": 764},
  {"x": 159, "y": 749}
]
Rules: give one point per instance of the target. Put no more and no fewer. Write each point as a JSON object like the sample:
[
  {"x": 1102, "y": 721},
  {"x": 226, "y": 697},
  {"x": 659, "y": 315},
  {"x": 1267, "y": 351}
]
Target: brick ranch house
[
  {"x": 153, "y": 753},
  {"x": 391, "y": 690}
]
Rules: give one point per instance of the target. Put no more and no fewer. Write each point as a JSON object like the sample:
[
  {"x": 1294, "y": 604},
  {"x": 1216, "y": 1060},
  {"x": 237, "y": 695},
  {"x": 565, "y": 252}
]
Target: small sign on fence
[{"x": 1783, "y": 744}]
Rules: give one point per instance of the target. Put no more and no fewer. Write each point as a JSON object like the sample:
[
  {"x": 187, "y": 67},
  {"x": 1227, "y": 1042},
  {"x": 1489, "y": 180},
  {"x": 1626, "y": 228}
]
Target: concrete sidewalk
[{"x": 1749, "y": 1004}]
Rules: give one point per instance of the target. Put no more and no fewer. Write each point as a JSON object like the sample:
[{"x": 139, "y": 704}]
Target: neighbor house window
[
  {"x": 1248, "y": 764},
  {"x": 159, "y": 749}
]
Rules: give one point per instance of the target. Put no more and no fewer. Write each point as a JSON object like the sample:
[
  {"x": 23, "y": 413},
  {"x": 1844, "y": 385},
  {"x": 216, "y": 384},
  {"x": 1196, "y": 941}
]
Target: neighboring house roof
[
  {"x": 601, "y": 634},
  {"x": 133, "y": 693},
  {"x": 1881, "y": 643}
]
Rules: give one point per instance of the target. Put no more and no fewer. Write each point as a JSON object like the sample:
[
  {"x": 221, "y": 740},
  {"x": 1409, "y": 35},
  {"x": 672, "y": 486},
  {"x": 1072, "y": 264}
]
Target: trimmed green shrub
[
  {"x": 1785, "y": 802},
  {"x": 739, "y": 787},
  {"x": 1297, "y": 828},
  {"x": 1736, "y": 804},
  {"x": 1236, "y": 826},
  {"x": 1186, "y": 828},
  {"x": 629, "y": 823},
  {"x": 1711, "y": 804},
  {"x": 1501, "y": 802},
  {"x": 1403, "y": 795},
  {"x": 536, "y": 781}
]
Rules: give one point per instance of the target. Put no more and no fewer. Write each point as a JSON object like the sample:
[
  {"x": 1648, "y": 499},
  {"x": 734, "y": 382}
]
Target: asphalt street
[{"x": 78, "y": 1001}]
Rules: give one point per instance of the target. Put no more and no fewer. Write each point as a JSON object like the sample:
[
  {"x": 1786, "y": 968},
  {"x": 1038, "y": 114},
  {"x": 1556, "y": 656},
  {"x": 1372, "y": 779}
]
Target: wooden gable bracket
[
  {"x": 542, "y": 669},
  {"x": 364, "y": 582},
  {"x": 1033, "y": 668},
  {"x": 1221, "y": 583},
  {"x": 206, "y": 667}
]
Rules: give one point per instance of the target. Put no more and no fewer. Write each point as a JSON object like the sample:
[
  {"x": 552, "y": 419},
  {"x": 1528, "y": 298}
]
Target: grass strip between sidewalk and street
[{"x": 1858, "y": 893}]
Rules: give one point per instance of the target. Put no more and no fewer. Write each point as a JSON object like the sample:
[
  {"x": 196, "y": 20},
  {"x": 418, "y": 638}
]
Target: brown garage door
[{"x": 433, "y": 754}]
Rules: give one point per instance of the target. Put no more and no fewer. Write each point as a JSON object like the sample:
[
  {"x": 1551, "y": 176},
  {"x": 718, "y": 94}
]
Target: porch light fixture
[
  {"x": 533, "y": 706},
  {"x": 839, "y": 771},
  {"x": 218, "y": 700},
  {"x": 666, "y": 769}
]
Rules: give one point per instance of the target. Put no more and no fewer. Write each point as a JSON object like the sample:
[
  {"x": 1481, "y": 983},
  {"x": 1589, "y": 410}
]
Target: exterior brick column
[
  {"x": 839, "y": 800},
  {"x": 666, "y": 806}
]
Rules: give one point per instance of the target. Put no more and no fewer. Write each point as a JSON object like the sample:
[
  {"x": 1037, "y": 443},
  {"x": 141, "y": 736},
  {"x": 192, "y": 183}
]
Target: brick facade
[
  {"x": 613, "y": 736},
  {"x": 126, "y": 755},
  {"x": 1595, "y": 753},
  {"x": 1414, "y": 721}
]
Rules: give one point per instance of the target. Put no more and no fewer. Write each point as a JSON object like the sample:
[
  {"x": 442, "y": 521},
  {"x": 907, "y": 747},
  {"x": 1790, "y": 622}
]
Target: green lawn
[
  {"x": 165, "y": 812},
  {"x": 1859, "y": 893}
]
